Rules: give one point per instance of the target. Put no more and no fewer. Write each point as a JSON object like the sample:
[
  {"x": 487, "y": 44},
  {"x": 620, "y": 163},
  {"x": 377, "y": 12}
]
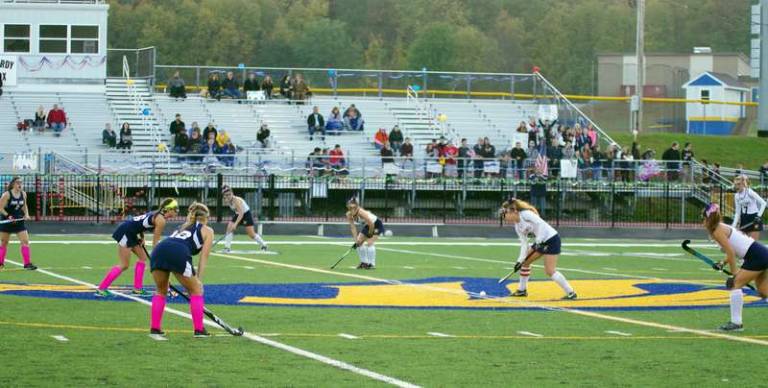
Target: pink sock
[
  {"x": 2, "y": 254},
  {"x": 111, "y": 276},
  {"x": 158, "y": 306},
  {"x": 25, "y": 254},
  {"x": 138, "y": 275},
  {"x": 196, "y": 309}
]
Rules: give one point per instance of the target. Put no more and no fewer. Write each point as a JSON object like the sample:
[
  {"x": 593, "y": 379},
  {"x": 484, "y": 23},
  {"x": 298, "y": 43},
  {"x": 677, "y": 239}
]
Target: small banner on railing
[
  {"x": 24, "y": 161},
  {"x": 548, "y": 112},
  {"x": 8, "y": 65},
  {"x": 491, "y": 167},
  {"x": 568, "y": 168}
]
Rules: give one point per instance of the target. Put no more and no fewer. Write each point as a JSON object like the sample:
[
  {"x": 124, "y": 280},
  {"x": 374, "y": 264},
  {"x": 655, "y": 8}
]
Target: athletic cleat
[
  {"x": 140, "y": 292},
  {"x": 361, "y": 266},
  {"x": 30, "y": 266},
  {"x": 2, "y": 266},
  {"x": 264, "y": 248},
  {"x": 202, "y": 334},
  {"x": 156, "y": 332},
  {"x": 102, "y": 294},
  {"x": 227, "y": 250},
  {"x": 370, "y": 266},
  {"x": 520, "y": 293},
  {"x": 570, "y": 296},
  {"x": 730, "y": 326}
]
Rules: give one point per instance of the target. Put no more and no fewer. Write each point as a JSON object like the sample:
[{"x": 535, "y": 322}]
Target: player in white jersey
[
  {"x": 749, "y": 208},
  {"x": 547, "y": 244},
  {"x": 242, "y": 216},
  {"x": 736, "y": 244},
  {"x": 365, "y": 240}
]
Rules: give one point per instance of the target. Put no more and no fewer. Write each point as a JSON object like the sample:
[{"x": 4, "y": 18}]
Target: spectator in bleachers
[
  {"x": 672, "y": 157},
  {"x": 583, "y": 139},
  {"x": 227, "y": 150},
  {"x": 176, "y": 86},
  {"x": 314, "y": 162},
  {"x": 251, "y": 84},
  {"x": 380, "y": 138},
  {"x": 263, "y": 135},
  {"x": 230, "y": 86},
  {"x": 126, "y": 137},
  {"x": 39, "y": 122},
  {"x": 598, "y": 160},
  {"x": 478, "y": 156},
  {"x": 181, "y": 142},
  {"x": 222, "y": 138},
  {"x": 764, "y": 173},
  {"x": 335, "y": 122},
  {"x": 489, "y": 151},
  {"x": 464, "y": 154},
  {"x": 518, "y": 156},
  {"x": 584, "y": 163},
  {"x": 315, "y": 123},
  {"x": 108, "y": 136},
  {"x": 396, "y": 139},
  {"x": 406, "y": 151},
  {"x": 267, "y": 86},
  {"x": 210, "y": 129},
  {"x": 592, "y": 133},
  {"x": 522, "y": 128},
  {"x": 549, "y": 130},
  {"x": 195, "y": 145},
  {"x": 214, "y": 86},
  {"x": 387, "y": 156},
  {"x": 353, "y": 119},
  {"x": 57, "y": 119},
  {"x": 336, "y": 159},
  {"x": 554, "y": 153},
  {"x": 300, "y": 89},
  {"x": 431, "y": 150},
  {"x": 195, "y": 126},
  {"x": 286, "y": 88},
  {"x": 177, "y": 126},
  {"x": 569, "y": 152},
  {"x": 450, "y": 153},
  {"x": 210, "y": 149}
]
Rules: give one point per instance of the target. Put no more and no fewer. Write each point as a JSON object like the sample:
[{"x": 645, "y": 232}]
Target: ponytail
[
  {"x": 167, "y": 204},
  {"x": 518, "y": 205},
  {"x": 196, "y": 212},
  {"x": 712, "y": 217}
]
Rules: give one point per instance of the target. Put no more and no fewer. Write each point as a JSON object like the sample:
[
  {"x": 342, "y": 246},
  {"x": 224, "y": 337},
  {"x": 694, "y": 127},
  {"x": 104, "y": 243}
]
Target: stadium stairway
[{"x": 125, "y": 110}]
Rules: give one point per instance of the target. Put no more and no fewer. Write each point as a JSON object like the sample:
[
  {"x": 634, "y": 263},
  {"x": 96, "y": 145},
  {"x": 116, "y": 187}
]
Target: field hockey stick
[
  {"x": 707, "y": 260},
  {"x": 8, "y": 221},
  {"x": 218, "y": 240},
  {"x": 518, "y": 265},
  {"x": 344, "y": 255},
  {"x": 229, "y": 329}
]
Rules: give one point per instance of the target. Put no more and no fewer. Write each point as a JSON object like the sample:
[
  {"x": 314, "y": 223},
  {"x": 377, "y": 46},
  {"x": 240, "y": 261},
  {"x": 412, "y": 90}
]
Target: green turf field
[{"x": 645, "y": 317}]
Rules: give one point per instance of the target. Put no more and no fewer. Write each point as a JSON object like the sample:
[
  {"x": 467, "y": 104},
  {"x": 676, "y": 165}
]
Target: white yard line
[
  {"x": 528, "y": 333},
  {"x": 60, "y": 338},
  {"x": 621, "y": 333},
  {"x": 253, "y": 337},
  {"x": 348, "y": 336},
  {"x": 508, "y": 301},
  {"x": 436, "y": 334}
]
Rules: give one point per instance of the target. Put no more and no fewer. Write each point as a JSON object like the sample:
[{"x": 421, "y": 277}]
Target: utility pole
[
  {"x": 636, "y": 102},
  {"x": 762, "y": 109}
]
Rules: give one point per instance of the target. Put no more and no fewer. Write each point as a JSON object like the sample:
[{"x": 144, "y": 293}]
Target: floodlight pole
[
  {"x": 636, "y": 104},
  {"x": 762, "y": 109}
]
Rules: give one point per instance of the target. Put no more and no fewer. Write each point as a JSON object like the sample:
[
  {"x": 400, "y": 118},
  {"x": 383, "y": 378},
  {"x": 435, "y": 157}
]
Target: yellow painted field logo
[{"x": 443, "y": 293}]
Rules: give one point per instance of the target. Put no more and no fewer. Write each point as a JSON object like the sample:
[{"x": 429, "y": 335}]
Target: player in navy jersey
[
  {"x": 174, "y": 255},
  {"x": 13, "y": 210},
  {"x": 130, "y": 238}
]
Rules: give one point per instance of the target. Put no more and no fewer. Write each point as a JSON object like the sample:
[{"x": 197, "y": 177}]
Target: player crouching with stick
[
  {"x": 737, "y": 244},
  {"x": 174, "y": 255},
  {"x": 365, "y": 240},
  {"x": 526, "y": 220}
]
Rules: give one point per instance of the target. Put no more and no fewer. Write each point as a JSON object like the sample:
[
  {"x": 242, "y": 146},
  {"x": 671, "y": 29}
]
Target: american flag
[{"x": 540, "y": 165}]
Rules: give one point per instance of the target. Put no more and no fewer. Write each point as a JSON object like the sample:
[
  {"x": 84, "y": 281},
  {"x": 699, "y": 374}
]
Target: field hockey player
[
  {"x": 14, "y": 211},
  {"x": 366, "y": 239},
  {"x": 243, "y": 216}
]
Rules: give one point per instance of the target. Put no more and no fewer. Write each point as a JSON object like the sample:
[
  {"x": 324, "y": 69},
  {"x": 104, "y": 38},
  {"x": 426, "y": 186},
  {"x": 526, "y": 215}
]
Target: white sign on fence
[
  {"x": 548, "y": 112},
  {"x": 491, "y": 167},
  {"x": 568, "y": 168},
  {"x": 8, "y": 65}
]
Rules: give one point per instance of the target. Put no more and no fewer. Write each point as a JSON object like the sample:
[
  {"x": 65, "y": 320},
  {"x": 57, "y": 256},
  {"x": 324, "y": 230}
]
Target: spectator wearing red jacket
[
  {"x": 57, "y": 120},
  {"x": 380, "y": 138},
  {"x": 450, "y": 152},
  {"x": 336, "y": 159}
]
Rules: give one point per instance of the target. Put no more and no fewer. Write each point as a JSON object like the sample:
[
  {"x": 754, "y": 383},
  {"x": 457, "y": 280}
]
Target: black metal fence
[{"x": 105, "y": 198}]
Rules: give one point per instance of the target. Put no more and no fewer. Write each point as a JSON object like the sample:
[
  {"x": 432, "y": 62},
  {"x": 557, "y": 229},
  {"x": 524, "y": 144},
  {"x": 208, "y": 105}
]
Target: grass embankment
[{"x": 727, "y": 150}]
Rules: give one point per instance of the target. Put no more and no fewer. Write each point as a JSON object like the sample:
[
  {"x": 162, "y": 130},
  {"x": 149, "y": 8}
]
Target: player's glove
[{"x": 518, "y": 265}]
